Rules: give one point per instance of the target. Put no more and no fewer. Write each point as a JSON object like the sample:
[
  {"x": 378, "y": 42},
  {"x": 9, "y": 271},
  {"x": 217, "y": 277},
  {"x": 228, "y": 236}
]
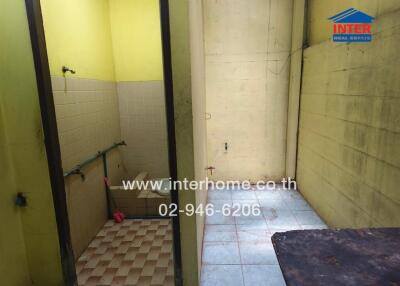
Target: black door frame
[
  {"x": 169, "y": 104},
  {"x": 46, "y": 101}
]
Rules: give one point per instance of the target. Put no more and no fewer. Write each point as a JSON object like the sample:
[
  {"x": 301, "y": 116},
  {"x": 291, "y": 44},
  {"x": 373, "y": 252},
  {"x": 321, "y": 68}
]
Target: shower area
[{"x": 105, "y": 59}]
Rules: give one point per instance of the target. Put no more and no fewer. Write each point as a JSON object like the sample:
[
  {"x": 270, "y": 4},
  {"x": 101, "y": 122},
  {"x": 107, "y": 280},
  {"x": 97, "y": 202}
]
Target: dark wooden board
[{"x": 362, "y": 257}]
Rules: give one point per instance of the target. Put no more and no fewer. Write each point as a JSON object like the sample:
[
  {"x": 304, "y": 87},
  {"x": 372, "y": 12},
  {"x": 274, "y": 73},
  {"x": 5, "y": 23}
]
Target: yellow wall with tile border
[
  {"x": 78, "y": 35},
  {"x": 90, "y": 36}
]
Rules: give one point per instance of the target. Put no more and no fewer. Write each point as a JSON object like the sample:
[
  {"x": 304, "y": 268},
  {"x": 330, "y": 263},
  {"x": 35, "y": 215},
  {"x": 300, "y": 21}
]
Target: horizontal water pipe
[{"x": 77, "y": 170}]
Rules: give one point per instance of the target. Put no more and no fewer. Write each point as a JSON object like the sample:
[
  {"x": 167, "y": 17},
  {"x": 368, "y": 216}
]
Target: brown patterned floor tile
[
  {"x": 143, "y": 281},
  {"x": 135, "y": 252},
  {"x": 92, "y": 281},
  {"x": 148, "y": 268},
  {"x": 107, "y": 277}
]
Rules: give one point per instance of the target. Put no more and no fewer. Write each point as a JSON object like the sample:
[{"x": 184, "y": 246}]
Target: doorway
[{"x": 101, "y": 161}]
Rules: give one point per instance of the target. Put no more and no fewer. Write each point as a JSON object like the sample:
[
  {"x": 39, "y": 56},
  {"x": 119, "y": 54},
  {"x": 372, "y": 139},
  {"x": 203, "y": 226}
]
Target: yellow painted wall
[
  {"x": 13, "y": 263},
  {"x": 136, "y": 37},
  {"x": 349, "y": 156},
  {"x": 78, "y": 35},
  {"x": 29, "y": 247},
  {"x": 181, "y": 70}
]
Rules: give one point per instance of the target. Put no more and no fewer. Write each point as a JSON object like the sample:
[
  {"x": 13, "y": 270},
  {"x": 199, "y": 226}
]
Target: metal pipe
[
  {"x": 108, "y": 194},
  {"x": 77, "y": 170},
  {"x": 147, "y": 217}
]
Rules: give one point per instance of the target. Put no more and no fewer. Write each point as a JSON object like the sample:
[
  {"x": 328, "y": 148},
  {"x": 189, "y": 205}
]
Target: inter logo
[{"x": 352, "y": 25}]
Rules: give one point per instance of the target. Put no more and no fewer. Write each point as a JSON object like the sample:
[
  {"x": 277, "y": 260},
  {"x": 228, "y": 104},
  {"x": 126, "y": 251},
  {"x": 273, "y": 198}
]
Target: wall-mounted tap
[
  {"x": 64, "y": 71},
  {"x": 67, "y": 69}
]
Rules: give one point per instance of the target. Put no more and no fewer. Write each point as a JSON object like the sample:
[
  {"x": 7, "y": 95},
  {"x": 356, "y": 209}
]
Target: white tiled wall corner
[
  {"x": 87, "y": 117},
  {"x": 144, "y": 127},
  {"x": 92, "y": 115},
  {"x": 87, "y": 114}
]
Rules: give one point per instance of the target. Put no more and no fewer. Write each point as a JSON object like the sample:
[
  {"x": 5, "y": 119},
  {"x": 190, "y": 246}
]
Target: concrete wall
[
  {"x": 247, "y": 46},
  {"x": 349, "y": 159},
  {"x": 29, "y": 243},
  {"x": 296, "y": 59}
]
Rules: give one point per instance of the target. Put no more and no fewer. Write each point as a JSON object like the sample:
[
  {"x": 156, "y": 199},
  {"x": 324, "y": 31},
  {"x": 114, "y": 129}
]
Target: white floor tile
[
  {"x": 279, "y": 218},
  {"x": 220, "y": 227},
  {"x": 278, "y": 204},
  {"x": 246, "y": 202},
  {"x": 244, "y": 195},
  {"x": 221, "y": 253},
  {"x": 218, "y": 204},
  {"x": 268, "y": 195},
  {"x": 257, "y": 225},
  {"x": 219, "y": 218},
  {"x": 307, "y": 218},
  {"x": 249, "y": 220},
  {"x": 314, "y": 226},
  {"x": 246, "y": 240},
  {"x": 219, "y": 236},
  {"x": 254, "y": 235},
  {"x": 221, "y": 275},
  {"x": 256, "y": 252},
  {"x": 263, "y": 275},
  {"x": 219, "y": 195},
  {"x": 290, "y": 194},
  {"x": 298, "y": 204}
]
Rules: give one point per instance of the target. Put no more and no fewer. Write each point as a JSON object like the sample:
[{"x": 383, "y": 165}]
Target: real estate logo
[{"x": 352, "y": 25}]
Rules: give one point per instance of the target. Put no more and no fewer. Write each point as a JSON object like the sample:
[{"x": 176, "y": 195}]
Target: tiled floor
[
  {"x": 134, "y": 252},
  {"x": 237, "y": 251}
]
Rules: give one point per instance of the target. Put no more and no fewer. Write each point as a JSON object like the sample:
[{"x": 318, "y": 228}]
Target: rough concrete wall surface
[
  {"x": 349, "y": 156},
  {"x": 144, "y": 128},
  {"x": 296, "y": 58},
  {"x": 247, "y": 47},
  {"x": 88, "y": 121}
]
